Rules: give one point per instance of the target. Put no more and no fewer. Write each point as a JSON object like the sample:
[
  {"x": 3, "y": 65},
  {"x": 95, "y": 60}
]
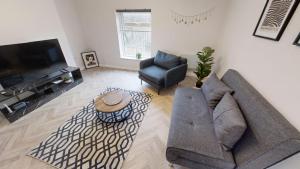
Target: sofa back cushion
[
  {"x": 182, "y": 60},
  {"x": 214, "y": 89},
  {"x": 165, "y": 60},
  {"x": 229, "y": 122},
  {"x": 269, "y": 137}
]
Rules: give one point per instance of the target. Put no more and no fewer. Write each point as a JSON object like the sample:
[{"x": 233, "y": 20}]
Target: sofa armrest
[
  {"x": 175, "y": 75},
  {"x": 146, "y": 63}
]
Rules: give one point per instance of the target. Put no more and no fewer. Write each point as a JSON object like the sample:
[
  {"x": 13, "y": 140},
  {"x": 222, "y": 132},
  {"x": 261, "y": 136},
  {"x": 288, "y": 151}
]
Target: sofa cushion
[
  {"x": 214, "y": 89},
  {"x": 269, "y": 137},
  {"x": 192, "y": 139},
  {"x": 154, "y": 73},
  {"x": 166, "y": 60},
  {"x": 229, "y": 122}
]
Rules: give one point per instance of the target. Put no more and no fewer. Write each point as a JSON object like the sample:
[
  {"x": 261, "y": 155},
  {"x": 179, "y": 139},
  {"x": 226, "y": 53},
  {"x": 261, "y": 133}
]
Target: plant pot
[
  {"x": 139, "y": 56},
  {"x": 199, "y": 84}
]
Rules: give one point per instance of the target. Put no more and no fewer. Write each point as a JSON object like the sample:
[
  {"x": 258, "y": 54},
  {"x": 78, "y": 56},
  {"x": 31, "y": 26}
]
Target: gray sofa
[
  {"x": 192, "y": 142},
  {"x": 162, "y": 71}
]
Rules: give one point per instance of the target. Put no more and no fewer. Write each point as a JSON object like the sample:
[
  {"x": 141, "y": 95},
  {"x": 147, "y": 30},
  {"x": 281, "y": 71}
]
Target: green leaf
[{"x": 205, "y": 62}]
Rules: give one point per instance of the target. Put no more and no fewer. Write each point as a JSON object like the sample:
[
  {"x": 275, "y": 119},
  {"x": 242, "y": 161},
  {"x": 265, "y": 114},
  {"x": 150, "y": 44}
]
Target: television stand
[{"x": 18, "y": 102}]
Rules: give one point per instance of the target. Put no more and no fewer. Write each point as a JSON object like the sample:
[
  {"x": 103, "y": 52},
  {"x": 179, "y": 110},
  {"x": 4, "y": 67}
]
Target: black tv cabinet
[{"x": 27, "y": 97}]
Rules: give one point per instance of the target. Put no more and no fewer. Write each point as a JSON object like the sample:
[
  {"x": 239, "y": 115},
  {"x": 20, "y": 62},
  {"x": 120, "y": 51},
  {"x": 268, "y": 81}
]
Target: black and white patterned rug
[{"x": 86, "y": 142}]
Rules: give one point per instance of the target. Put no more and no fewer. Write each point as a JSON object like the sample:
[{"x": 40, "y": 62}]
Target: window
[{"x": 134, "y": 32}]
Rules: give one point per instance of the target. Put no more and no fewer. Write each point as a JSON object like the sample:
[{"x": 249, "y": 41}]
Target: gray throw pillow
[
  {"x": 165, "y": 60},
  {"x": 229, "y": 122},
  {"x": 214, "y": 89}
]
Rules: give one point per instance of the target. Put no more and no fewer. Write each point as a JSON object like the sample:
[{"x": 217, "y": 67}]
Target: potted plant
[
  {"x": 204, "y": 65},
  {"x": 139, "y": 56}
]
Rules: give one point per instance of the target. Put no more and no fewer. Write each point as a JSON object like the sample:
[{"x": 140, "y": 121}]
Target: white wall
[
  {"x": 272, "y": 67},
  {"x": 32, "y": 20},
  {"x": 99, "y": 24},
  {"x": 68, "y": 14}
]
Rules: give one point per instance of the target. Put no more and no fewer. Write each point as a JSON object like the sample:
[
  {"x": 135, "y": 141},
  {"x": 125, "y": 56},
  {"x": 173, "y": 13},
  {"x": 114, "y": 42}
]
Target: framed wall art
[
  {"x": 275, "y": 18},
  {"x": 297, "y": 40},
  {"x": 90, "y": 59}
]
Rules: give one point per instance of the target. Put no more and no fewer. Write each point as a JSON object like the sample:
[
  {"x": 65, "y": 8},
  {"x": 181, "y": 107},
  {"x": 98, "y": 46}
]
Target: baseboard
[
  {"x": 119, "y": 67},
  {"x": 189, "y": 73}
]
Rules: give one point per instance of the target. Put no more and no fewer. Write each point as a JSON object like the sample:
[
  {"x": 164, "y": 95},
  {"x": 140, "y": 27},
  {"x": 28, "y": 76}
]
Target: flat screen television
[{"x": 27, "y": 62}]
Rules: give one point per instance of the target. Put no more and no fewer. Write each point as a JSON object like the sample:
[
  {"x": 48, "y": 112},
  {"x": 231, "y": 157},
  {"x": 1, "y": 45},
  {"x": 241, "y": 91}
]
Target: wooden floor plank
[{"x": 147, "y": 151}]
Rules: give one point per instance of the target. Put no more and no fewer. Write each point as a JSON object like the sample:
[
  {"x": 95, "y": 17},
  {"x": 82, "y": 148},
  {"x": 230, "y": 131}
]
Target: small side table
[{"x": 114, "y": 106}]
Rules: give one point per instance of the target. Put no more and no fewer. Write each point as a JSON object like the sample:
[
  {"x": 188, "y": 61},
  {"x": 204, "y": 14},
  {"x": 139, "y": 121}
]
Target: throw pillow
[
  {"x": 166, "y": 60},
  {"x": 229, "y": 122},
  {"x": 214, "y": 89}
]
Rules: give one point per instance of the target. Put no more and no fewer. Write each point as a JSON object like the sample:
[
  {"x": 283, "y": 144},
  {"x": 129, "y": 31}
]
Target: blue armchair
[{"x": 162, "y": 71}]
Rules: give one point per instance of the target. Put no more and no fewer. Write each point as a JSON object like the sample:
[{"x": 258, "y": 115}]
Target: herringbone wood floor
[{"x": 147, "y": 151}]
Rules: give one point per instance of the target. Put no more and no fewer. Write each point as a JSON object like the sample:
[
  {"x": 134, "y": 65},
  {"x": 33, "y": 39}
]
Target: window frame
[{"x": 119, "y": 32}]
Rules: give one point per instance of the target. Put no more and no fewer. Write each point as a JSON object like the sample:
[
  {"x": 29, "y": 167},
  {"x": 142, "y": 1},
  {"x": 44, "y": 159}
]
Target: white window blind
[{"x": 134, "y": 31}]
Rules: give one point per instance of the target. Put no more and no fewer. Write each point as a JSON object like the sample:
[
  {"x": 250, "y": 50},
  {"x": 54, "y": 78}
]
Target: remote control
[{"x": 4, "y": 93}]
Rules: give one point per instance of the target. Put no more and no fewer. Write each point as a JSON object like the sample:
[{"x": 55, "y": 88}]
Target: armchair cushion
[
  {"x": 182, "y": 60},
  {"x": 146, "y": 63},
  {"x": 166, "y": 60},
  {"x": 154, "y": 73}
]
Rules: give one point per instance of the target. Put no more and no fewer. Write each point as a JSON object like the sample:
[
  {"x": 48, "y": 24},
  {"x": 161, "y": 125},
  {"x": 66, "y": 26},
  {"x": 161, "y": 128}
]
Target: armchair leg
[
  {"x": 158, "y": 91},
  {"x": 141, "y": 82}
]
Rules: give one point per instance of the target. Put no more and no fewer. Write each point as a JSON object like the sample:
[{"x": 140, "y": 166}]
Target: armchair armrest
[
  {"x": 146, "y": 63},
  {"x": 175, "y": 75}
]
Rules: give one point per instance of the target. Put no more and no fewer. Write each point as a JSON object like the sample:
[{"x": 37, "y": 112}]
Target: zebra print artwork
[
  {"x": 275, "y": 18},
  {"x": 276, "y": 14}
]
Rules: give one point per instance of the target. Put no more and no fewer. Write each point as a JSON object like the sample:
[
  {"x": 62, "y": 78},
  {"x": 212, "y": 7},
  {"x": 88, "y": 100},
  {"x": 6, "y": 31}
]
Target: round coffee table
[{"x": 114, "y": 106}]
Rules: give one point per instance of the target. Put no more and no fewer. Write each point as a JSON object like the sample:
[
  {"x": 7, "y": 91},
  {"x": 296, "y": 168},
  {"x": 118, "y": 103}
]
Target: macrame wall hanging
[{"x": 192, "y": 19}]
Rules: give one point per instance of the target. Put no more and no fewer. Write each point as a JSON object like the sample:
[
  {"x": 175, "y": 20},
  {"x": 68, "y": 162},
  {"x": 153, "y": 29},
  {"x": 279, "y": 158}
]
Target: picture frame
[
  {"x": 90, "y": 59},
  {"x": 274, "y": 19},
  {"x": 297, "y": 40}
]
